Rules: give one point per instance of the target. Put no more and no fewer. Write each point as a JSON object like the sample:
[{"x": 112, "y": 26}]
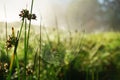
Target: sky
[{"x": 44, "y": 8}]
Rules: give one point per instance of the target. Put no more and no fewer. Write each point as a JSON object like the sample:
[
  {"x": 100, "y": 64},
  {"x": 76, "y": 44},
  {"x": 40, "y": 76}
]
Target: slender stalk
[
  {"x": 15, "y": 49},
  {"x": 6, "y": 36},
  {"x": 6, "y": 26},
  {"x": 35, "y": 58},
  {"x": 26, "y": 42},
  {"x": 25, "y": 54},
  {"x": 18, "y": 67},
  {"x": 56, "y": 24},
  {"x": 28, "y": 35},
  {"x": 40, "y": 50},
  {"x": 48, "y": 39},
  {"x": 5, "y": 21},
  {"x": 10, "y": 69},
  {"x": 21, "y": 29},
  {"x": 12, "y": 60}
]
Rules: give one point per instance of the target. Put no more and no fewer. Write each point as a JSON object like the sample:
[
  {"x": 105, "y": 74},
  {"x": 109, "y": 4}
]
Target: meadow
[
  {"x": 64, "y": 56},
  {"x": 29, "y": 52}
]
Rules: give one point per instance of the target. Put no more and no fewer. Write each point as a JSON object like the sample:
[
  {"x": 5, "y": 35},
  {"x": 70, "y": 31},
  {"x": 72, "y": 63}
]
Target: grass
[
  {"x": 93, "y": 52},
  {"x": 59, "y": 57},
  {"x": 15, "y": 40}
]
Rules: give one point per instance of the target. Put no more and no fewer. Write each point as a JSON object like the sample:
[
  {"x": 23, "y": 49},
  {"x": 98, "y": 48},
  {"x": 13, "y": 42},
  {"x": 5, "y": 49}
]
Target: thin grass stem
[
  {"x": 21, "y": 29},
  {"x": 29, "y": 27},
  {"x": 11, "y": 65},
  {"x": 56, "y": 24},
  {"x": 18, "y": 67},
  {"x": 40, "y": 45},
  {"x": 25, "y": 54},
  {"x": 6, "y": 27}
]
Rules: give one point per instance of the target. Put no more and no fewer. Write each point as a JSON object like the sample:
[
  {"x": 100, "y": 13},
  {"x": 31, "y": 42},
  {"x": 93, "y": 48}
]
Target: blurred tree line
[{"x": 95, "y": 14}]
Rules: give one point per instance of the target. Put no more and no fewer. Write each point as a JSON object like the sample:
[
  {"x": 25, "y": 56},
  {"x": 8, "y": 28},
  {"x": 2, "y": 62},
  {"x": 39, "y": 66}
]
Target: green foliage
[
  {"x": 86, "y": 52},
  {"x": 98, "y": 51}
]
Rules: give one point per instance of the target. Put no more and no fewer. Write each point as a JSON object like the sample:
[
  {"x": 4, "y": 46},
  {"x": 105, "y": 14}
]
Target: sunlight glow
[{"x": 45, "y": 8}]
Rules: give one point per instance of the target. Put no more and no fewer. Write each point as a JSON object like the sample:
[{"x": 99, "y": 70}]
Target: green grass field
[
  {"x": 29, "y": 52},
  {"x": 91, "y": 56}
]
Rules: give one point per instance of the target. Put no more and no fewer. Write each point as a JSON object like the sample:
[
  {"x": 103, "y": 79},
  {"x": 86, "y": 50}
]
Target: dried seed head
[
  {"x": 25, "y": 14},
  {"x": 5, "y": 65},
  {"x": 29, "y": 16},
  {"x": 29, "y": 72},
  {"x": 33, "y": 16},
  {"x": 11, "y": 41}
]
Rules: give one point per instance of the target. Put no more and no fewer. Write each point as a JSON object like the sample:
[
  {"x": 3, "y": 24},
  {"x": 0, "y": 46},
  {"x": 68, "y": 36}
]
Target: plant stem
[
  {"x": 25, "y": 54},
  {"x": 10, "y": 69},
  {"x": 40, "y": 50},
  {"x": 12, "y": 60},
  {"x": 15, "y": 49},
  {"x": 6, "y": 27},
  {"x": 28, "y": 35},
  {"x": 5, "y": 20},
  {"x": 21, "y": 29},
  {"x": 17, "y": 62},
  {"x": 35, "y": 59},
  {"x": 58, "y": 34},
  {"x": 48, "y": 39}
]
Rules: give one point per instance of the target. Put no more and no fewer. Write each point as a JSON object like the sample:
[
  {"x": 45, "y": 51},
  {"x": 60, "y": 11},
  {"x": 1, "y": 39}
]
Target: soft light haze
[{"x": 45, "y": 8}]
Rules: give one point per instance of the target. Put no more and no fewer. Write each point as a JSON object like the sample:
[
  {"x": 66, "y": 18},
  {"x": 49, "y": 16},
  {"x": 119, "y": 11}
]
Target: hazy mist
[{"x": 91, "y": 15}]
